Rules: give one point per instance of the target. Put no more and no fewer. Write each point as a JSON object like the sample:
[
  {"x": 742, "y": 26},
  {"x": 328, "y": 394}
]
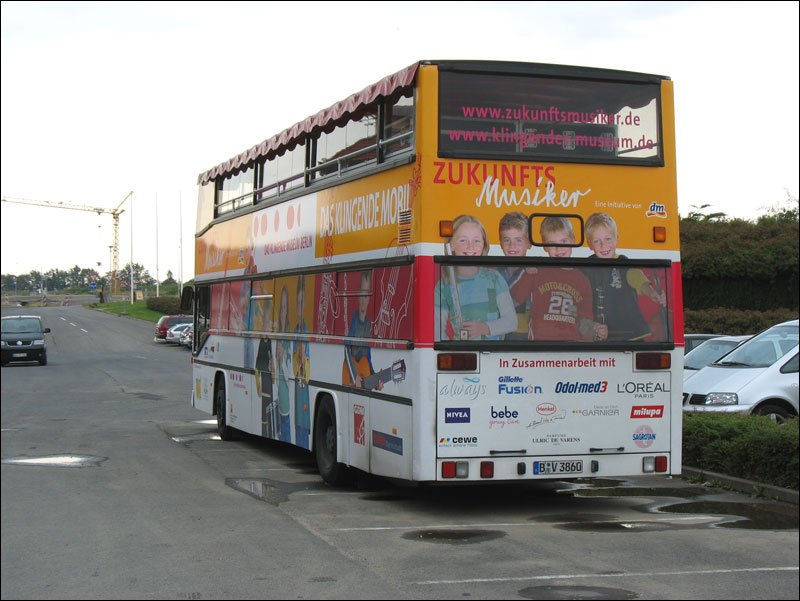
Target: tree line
[
  {"x": 735, "y": 264},
  {"x": 79, "y": 280}
]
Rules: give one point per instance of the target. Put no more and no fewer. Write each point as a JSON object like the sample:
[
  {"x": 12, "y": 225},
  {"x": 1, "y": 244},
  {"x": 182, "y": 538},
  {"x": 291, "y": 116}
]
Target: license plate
[
  {"x": 544, "y": 468},
  {"x": 20, "y": 354}
]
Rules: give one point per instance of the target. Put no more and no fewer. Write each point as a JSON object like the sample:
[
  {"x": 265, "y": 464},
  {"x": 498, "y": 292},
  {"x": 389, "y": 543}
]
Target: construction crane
[{"x": 115, "y": 213}]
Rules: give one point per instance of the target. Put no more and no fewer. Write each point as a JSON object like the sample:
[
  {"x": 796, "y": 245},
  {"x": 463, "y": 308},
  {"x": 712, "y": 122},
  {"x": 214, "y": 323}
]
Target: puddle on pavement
[
  {"x": 148, "y": 396},
  {"x": 57, "y": 461},
  {"x": 455, "y": 536},
  {"x": 195, "y": 437},
  {"x": 638, "y": 491},
  {"x": 575, "y": 592},
  {"x": 755, "y": 516},
  {"x": 270, "y": 491}
]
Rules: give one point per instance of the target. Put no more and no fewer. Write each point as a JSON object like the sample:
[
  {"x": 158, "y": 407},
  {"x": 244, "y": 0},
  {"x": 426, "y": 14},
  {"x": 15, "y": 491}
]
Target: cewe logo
[{"x": 647, "y": 411}]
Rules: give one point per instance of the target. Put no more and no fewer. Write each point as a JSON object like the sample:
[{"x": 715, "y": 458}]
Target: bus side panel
[
  {"x": 355, "y": 427},
  {"x": 390, "y": 439},
  {"x": 203, "y": 389}
]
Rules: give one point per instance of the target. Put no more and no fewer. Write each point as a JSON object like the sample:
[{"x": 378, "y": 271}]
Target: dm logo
[{"x": 656, "y": 210}]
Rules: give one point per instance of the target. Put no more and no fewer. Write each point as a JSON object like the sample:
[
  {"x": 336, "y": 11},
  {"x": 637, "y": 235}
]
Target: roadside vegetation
[{"x": 744, "y": 446}]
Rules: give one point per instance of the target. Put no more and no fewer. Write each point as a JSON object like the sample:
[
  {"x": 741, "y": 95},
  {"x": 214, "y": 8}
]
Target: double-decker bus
[{"x": 467, "y": 271}]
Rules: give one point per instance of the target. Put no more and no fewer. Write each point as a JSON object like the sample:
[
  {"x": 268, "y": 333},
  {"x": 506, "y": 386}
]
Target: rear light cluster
[
  {"x": 651, "y": 464},
  {"x": 460, "y": 469},
  {"x": 457, "y": 361}
]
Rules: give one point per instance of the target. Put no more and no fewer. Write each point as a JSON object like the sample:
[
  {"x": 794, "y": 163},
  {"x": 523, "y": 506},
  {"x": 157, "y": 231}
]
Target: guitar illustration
[{"x": 369, "y": 381}]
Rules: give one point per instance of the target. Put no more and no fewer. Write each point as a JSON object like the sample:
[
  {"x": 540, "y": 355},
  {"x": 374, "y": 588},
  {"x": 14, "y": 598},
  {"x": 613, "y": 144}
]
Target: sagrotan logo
[{"x": 644, "y": 436}]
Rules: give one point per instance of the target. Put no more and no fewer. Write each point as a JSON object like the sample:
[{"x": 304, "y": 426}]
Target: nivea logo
[{"x": 457, "y": 415}]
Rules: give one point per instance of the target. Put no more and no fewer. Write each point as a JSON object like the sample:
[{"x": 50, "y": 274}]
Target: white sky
[{"x": 103, "y": 98}]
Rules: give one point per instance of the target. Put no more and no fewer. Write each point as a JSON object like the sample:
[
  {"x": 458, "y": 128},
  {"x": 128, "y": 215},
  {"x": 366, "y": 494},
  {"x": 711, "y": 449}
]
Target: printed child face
[
  {"x": 558, "y": 237},
  {"x": 467, "y": 240},
  {"x": 363, "y": 299},
  {"x": 514, "y": 242},
  {"x": 603, "y": 242}
]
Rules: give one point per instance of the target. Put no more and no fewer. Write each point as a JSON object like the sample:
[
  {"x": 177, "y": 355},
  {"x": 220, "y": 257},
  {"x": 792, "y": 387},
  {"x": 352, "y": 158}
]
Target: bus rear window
[
  {"x": 524, "y": 117},
  {"x": 575, "y": 301}
]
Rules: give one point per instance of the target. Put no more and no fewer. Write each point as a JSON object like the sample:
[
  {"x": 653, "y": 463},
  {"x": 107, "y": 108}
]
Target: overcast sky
[{"x": 100, "y": 99}]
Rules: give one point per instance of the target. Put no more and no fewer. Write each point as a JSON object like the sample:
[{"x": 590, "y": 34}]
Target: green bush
[
  {"x": 167, "y": 305},
  {"x": 733, "y": 322},
  {"x": 744, "y": 446}
]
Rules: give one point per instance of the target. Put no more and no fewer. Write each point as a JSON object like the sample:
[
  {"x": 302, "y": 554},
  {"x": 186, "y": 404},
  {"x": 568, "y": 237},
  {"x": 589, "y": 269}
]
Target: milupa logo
[{"x": 652, "y": 411}]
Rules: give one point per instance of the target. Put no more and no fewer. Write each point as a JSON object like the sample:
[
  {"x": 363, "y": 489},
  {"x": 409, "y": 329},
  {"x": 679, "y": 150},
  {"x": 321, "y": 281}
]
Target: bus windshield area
[{"x": 552, "y": 302}]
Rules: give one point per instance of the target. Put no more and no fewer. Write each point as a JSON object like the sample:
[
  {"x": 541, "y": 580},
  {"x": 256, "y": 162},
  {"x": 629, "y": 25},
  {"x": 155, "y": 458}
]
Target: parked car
[
  {"x": 166, "y": 322},
  {"x": 23, "y": 339},
  {"x": 708, "y": 352},
  {"x": 760, "y": 376},
  {"x": 187, "y": 336},
  {"x": 174, "y": 333},
  {"x": 692, "y": 341}
]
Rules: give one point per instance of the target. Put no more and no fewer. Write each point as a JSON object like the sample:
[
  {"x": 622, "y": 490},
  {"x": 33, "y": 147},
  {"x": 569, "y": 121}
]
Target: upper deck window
[{"x": 522, "y": 117}]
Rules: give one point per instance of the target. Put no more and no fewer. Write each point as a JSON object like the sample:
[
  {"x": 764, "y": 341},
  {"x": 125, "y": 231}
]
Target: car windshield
[
  {"x": 21, "y": 326},
  {"x": 765, "y": 349},
  {"x": 709, "y": 351}
]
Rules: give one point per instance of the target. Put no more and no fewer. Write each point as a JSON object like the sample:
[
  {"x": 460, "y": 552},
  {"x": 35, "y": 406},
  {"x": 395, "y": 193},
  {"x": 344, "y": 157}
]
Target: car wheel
[
  {"x": 43, "y": 360},
  {"x": 774, "y": 412},
  {"x": 332, "y": 472},
  {"x": 225, "y": 431}
]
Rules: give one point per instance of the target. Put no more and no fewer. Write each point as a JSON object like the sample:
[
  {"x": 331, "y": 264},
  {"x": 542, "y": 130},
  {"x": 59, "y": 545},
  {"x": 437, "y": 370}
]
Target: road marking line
[
  {"x": 628, "y": 575},
  {"x": 503, "y": 524}
]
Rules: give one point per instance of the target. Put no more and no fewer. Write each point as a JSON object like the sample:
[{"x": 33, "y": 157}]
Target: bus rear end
[{"x": 572, "y": 414}]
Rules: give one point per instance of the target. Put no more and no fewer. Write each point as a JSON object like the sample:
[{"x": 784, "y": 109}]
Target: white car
[
  {"x": 174, "y": 333},
  {"x": 760, "y": 376},
  {"x": 708, "y": 352}
]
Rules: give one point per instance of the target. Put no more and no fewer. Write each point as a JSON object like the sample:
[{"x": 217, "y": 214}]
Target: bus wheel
[
  {"x": 775, "y": 412},
  {"x": 332, "y": 472},
  {"x": 225, "y": 431}
]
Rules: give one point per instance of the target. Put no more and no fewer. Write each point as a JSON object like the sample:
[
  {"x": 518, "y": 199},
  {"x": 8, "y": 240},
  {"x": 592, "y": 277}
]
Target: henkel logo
[
  {"x": 644, "y": 436},
  {"x": 546, "y": 408},
  {"x": 654, "y": 411},
  {"x": 457, "y": 415}
]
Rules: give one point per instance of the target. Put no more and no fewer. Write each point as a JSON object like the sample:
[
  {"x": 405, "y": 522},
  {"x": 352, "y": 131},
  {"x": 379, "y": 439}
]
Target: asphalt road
[{"x": 161, "y": 509}]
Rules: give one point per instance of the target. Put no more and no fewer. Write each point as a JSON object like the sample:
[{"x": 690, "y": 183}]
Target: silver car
[
  {"x": 708, "y": 352},
  {"x": 760, "y": 376}
]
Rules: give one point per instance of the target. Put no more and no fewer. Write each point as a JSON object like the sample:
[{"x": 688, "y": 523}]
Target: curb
[{"x": 786, "y": 495}]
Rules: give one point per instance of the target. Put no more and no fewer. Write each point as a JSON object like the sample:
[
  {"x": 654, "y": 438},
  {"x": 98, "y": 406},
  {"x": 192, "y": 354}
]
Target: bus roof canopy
[{"x": 324, "y": 120}]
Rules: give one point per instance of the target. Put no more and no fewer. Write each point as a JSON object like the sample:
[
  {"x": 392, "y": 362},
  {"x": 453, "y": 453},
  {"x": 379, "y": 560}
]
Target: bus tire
[
  {"x": 325, "y": 447},
  {"x": 774, "y": 412},
  {"x": 224, "y": 430}
]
